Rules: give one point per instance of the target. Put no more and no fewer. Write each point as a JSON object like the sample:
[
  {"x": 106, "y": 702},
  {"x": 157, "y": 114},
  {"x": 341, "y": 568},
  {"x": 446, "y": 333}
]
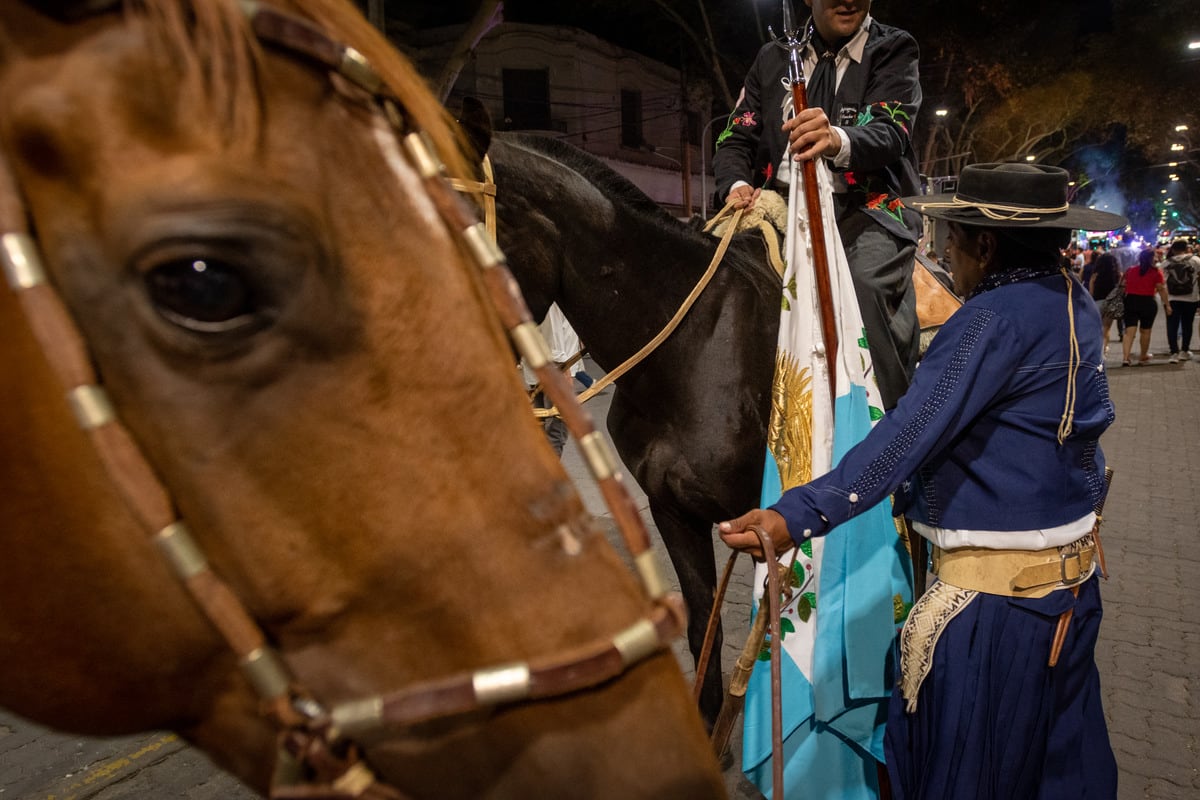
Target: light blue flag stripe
[
  {"x": 818, "y": 765},
  {"x": 865, "y": 550},
  {"x": 833, "y": 732}
]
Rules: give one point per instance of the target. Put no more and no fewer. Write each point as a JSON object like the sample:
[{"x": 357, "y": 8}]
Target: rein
[
  {"x": 485, "y": 189},
  {"x": 766, "y": 627},
  {"x": 318, "y": 755},
  {"x": 648, "y": 348}
]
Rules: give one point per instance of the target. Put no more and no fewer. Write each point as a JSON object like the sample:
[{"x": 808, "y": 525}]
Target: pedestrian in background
[
  {"x": 1089, "y": 266},
  {"x": 1142, "y": 282},
  {"x": 1075, "y": 259},
  {"x": 1181, "y": 271},
  {"x": 564, "y": 345},
  {"x": 1108, "y": 290}
]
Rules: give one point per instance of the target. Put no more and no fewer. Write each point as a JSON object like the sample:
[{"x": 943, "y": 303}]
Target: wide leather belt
[{"x": 1016, "y": 573}]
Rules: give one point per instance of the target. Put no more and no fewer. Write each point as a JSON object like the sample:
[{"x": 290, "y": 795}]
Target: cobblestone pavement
[
  {"x": 1148, "y": 652},
  {"x": 1149, "y": 645}
]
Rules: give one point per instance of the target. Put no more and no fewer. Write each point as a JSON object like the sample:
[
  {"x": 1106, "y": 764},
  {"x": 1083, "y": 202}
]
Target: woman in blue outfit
[{"x": 993, "y": 455}]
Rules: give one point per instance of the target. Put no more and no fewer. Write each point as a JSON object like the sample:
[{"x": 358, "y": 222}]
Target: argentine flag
[{"x": 851, "y": 588}]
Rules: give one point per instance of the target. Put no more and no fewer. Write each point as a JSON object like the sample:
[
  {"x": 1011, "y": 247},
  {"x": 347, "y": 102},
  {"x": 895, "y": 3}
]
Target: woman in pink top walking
[{"x": 1142, "y": 282}]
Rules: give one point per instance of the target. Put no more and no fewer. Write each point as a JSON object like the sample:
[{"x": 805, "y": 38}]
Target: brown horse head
[{"x": 296, "y": 343}]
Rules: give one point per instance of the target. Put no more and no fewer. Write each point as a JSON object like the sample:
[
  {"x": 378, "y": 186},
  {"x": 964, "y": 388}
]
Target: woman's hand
[
  {"x": 810, "y": 135},
  {"x": 737, "y": 534}
]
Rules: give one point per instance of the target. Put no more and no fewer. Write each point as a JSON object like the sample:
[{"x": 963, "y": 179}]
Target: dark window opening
[
  {"x": 693, "y": 128},
  {"x": 526, "y": 99},
  {"x": 631, "y": 118}
]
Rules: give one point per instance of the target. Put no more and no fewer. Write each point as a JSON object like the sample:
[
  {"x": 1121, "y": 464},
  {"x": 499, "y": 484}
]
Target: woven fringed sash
[{"x": 928, "y": 618}]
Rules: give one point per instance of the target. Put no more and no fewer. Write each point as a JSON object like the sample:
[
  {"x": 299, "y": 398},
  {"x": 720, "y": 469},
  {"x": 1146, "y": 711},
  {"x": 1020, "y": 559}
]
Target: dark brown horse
[
  {"x": 298, "y": 348},
  {"x": 691, "y": 420}
]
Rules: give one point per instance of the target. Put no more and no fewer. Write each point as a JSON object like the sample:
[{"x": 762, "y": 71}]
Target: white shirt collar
[{"x": 852, "y": 49}]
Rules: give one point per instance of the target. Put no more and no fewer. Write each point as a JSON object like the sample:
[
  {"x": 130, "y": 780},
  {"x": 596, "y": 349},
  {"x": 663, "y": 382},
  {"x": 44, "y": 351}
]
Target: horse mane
[
  {"x": 746, "y": 250},
  {"x": 609, "y": 181},
  {"x": 219, "y": 56}
]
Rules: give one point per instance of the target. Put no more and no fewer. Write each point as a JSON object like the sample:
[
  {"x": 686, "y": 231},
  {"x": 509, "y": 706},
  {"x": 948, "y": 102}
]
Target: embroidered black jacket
[{"x": 876, "y": 104}]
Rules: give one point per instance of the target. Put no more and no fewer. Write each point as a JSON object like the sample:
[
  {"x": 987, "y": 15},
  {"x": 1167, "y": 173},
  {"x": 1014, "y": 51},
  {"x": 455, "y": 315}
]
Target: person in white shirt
[
  {"x": 564, "y": 345},
  {"x": 1182, "y": 272}
]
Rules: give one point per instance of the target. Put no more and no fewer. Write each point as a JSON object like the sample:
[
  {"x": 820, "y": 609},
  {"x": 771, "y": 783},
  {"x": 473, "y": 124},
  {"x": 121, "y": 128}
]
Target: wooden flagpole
[{"x": 812, "y": 202}]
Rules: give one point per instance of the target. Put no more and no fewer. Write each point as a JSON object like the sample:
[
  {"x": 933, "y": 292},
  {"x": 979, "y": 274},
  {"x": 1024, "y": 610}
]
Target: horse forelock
[
  {"x": 211, "y": 45},
  {"x": 220, "y": 59}
]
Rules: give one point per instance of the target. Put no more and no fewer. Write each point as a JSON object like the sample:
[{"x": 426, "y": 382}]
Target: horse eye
[{"x": 202, "y": 295}]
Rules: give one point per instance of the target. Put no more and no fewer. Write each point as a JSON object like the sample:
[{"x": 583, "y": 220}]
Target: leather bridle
[{"x": 318, "y": 756}]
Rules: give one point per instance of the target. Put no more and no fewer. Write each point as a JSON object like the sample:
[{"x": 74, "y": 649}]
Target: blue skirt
[{"x": 993, "y": 721}]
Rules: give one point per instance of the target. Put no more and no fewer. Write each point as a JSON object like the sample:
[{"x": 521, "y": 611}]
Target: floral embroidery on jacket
[
  {"x": 865, "y": 185},
  {"x": 746, "y": 119},
  {"x": 894, "y": 111},
  {"x": 882, "y": 201},
  {"x": 876, "y": 200}
]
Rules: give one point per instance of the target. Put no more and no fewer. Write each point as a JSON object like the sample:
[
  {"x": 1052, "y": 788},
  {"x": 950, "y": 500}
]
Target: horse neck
[{"x": 623, "y": 298}]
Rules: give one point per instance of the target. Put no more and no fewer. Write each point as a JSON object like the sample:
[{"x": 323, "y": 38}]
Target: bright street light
[
  {"x": 941, "y": 112},
  {"x": 1193, "y": 45},
  {"x": 1175, "y": 148},
  {"x": 1031, "y": 158},
  {"x": 1180, "y": 128}
]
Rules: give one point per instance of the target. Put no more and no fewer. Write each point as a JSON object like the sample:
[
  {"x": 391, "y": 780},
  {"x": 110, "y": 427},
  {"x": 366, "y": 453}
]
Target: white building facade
[{"x": 631, "y": 111}]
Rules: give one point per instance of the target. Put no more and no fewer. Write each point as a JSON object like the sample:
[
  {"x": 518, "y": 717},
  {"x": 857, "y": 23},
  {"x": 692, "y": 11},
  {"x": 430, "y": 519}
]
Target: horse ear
[{"x": 476, "y": 123}]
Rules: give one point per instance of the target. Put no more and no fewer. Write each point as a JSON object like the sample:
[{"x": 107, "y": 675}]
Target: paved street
[
  {"x": 1150, "y": 640},
  {"x": 1148, "y": 653}
]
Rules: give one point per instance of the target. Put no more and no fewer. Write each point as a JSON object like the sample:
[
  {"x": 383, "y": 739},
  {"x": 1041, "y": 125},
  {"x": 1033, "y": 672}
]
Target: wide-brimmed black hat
[{"x": 1010, "y": 195}]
